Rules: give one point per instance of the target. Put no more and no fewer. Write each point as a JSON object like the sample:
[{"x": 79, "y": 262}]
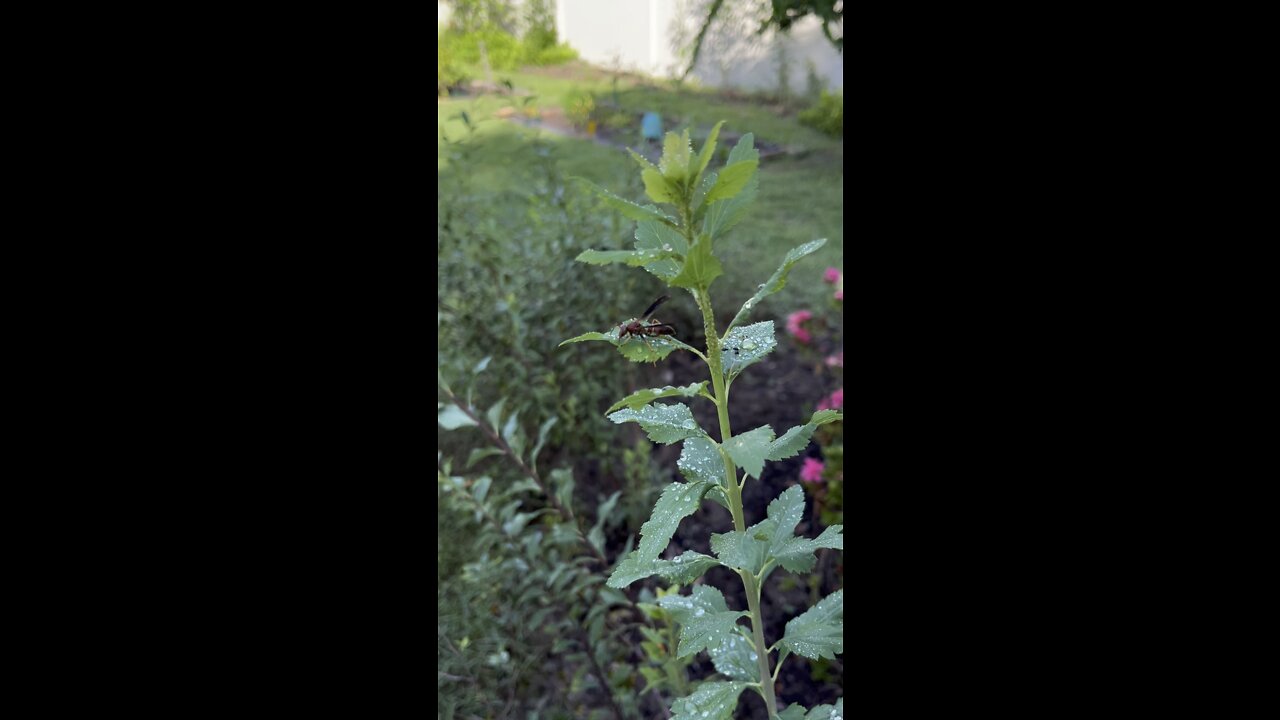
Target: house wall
[{"x": 653, "y": 37}]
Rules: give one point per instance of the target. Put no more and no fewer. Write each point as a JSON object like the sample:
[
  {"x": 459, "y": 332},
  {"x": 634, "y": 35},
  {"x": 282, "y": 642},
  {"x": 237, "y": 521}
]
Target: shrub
[
  {"x": 827, "y": 115},
  {"x": 503, "y": 50}
]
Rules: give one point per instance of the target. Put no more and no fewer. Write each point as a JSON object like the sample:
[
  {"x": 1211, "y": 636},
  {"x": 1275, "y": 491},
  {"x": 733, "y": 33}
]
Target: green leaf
[
  {"x": 452, "y": 418},
  {"x": 656, "y": 236},
  {"x": 701, "y": 461},
  {"x": 480, "y": 453},
  {"x": 720, "y": 217},
  {"x": 681, "y": 570},
  {"x": 700, "y": 266},
  {"x": 779, "y": 278},
  {"x": 819, "y": 633},
  {"x": 480, "y": 366},
  {"x": 584, "y": 337},
  {"x": 648, "y": 349},
  {"x": 495, "y": 414},
  {"x": 678, "y": 501},
  {"x": 711, "y": 701},
  {"x": 797, "y": 438},
  {"x": 703, "y": 616},
  {"x": 744, "y": 346},
  {"x": 796, "y": 553},
  {"x": 708, "y": 150},
  {"x": 675, "y": 156},
  {"x": 744, "y": 550},
  {"x": 744, "y": 151},
  {"x": 626, "y": 207},
  {"x": 656, "y": 186},
  {"x": 748, "y": 450},
  {"x": 735, "y": 656},
  {"x": 652, "y": 676},
  {"x": 664, "y": 423},
  {"x": 562, "y": 481},
  {"x": 793, "y": 712},
  {"x": 644, "y": 397},
  {"x": 634, "y": 258},
  {"x": 481, "y": 488},
  {"x": 732, "y": 180},
  {"x": 542, "y": 439},
  {"x": 827, "y": 712}
]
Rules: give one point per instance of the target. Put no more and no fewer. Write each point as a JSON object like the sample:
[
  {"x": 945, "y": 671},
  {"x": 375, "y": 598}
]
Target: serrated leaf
[
  {"x": 708, "y": 150},
  {"x": 744, "y": 550},
  {"x": 797, "y": 438},
  {"x": 704, "y": 618},
  {"x": 641, "y": 160},
  {"x": 678, "y": 501},
  {"x": 644, "y": 397},
  {"x": 827, "y": 712},
  {"x": 681, "y": 570},
  {"x": 626, "y": 207},
  {"x": 663, "y": 423},
  {"x": 711, "y": 701},
  {"x": 656, "y": 236},
  {"x": 675, "y": 156},
  {"x": 735, "y": 656},
  {"x": 479, "y": 454},
  {"x": 732, "y": 180},
  {"x": 744, "y": 346},
  {"x": 720, "y": 217},
  {"x": 452, "y": 418},
  {"x": 748, "y": 450},
  {"x": 701, "y": 461},
  {"x": 796, "y": 553},
  {"x": 584, "y": 337},
  {"x": 700, "y": 266},
  {"x": 656, "y": 187},
  {"x": 779, "y": 278},
  {"x": 819, "y": 632},
  {"x": 744, "y": 151},
  {"x": 793, "y": 712},
  {"x": 647, "y": 349},
  {"x": 633, "y": 258}
]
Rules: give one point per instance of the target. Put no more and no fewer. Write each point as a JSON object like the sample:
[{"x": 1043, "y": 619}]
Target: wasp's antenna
[{"x": 654, "y": 306}]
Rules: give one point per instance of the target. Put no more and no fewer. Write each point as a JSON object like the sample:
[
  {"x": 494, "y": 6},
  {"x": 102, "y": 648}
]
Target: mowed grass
[{"x": 801, "y": 195}]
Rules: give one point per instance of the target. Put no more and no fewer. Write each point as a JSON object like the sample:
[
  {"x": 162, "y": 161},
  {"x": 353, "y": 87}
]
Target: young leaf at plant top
[
  {"x": 818, "y": 633},
  {"x": 720, "y": 216},
  {"x": 626, "y": 207},
  {"x": 778, "y": 280}
]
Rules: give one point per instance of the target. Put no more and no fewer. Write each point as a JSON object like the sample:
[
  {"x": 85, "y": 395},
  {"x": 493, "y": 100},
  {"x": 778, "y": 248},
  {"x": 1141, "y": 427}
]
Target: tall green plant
[{"x": 677, "y": 244}]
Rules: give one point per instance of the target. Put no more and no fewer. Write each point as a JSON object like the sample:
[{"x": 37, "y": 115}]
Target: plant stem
[{"x": 735, "y": 497}]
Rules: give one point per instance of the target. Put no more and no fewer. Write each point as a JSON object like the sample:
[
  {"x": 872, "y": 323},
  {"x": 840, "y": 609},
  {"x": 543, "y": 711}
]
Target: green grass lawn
[{"x": 800, "y": 197}]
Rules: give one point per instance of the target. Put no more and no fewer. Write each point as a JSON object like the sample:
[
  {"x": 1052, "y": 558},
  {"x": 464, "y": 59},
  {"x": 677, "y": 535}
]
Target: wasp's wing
[{"x": 654, "y": 306}]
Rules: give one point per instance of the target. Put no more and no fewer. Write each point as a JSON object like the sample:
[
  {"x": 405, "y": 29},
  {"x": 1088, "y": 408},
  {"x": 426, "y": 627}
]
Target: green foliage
[
  {"x": 819, "y": 632},
  {"x": 544, "y": 56},
  {"x": 826, "y": 115},
  {"x": 502, "y": 50},
  {"x": 677, "y": 247}
]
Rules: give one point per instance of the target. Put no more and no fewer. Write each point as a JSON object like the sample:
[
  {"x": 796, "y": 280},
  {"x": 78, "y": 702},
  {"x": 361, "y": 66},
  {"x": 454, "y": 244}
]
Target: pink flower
[
  {"x": 837, "y": 399},
  {"x": 831, "y": 275},
  {"x": 840, "y": 294},
  {"x": 836, "y": 360},
  {"x": 793, "y": 326},
  {"x": 812, "y": 470}
]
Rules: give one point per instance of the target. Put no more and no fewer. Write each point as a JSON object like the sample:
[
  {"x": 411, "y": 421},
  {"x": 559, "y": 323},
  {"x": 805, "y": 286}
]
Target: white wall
[{"x": 653, "y": 36}]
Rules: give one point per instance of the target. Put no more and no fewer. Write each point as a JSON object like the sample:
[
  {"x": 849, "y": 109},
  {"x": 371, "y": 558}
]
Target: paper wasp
[{"x": 643, "y": 327}]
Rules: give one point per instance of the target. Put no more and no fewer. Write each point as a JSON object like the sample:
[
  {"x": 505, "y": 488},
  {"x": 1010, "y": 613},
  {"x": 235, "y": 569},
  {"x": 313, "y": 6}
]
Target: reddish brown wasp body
[{"x": 644, "y": 327}]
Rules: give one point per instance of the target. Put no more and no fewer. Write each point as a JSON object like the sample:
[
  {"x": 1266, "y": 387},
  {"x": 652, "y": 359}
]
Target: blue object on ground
[{"x": 651, "y": 126}]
